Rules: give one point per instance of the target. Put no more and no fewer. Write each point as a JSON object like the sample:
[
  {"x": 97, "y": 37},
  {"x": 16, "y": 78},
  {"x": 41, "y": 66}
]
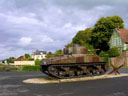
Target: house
[
  {"x": 21, "y": 63},
  {"x": 39, "y": 55},
  {"x": 21, "y": 58},
  {"x": 119, "y": 39}
]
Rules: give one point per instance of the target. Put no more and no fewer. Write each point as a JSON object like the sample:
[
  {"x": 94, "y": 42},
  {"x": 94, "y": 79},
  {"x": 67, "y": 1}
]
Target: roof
[
  {"x": 37, "y": 52},
  {"x": 123, "y": 34},
  {"x": 21, "y": 58}
]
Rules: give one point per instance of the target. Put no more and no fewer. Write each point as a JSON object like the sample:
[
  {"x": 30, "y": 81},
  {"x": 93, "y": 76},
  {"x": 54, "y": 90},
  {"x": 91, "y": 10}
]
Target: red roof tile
[{"x": 123, "y": 34}]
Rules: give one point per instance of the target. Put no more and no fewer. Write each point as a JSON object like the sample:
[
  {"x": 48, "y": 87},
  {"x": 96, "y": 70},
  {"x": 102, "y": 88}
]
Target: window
[
  {"x": 113, "y": 41},
  {"x": 125, "y": 46},
  {"x": 119, "y": 41}
]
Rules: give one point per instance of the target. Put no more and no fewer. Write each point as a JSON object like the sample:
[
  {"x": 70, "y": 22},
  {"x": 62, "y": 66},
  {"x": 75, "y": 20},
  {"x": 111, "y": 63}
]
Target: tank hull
[
  {"x": 76, "y": 62},
  {"x": 75, "y": 70}
]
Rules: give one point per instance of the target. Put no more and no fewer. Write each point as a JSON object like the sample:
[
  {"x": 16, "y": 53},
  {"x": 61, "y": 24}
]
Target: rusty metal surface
[
  {"x": 94, "y": 58},
  {"x": 115, "y": 69},
  {"x": 79, "y": 59}
]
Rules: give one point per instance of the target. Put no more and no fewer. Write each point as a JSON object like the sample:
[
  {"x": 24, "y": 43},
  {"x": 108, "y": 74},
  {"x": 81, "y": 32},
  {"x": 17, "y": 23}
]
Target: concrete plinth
[{"x": 52, "y": 80}]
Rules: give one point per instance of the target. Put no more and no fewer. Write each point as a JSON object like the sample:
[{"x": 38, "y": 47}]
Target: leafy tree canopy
[
  {"x": 11, "y": 60},
  {"x": 58, "y": 53},
  {"x": 49, "y": 55},
  {"x": 27, "y": 56},
  {"x": 83, "y": 36},
  {"x": 103, "y": 30}
]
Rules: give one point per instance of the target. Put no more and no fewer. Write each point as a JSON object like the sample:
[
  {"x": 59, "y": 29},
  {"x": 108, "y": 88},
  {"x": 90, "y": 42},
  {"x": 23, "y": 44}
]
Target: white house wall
[{"x": 24, "y": 62}]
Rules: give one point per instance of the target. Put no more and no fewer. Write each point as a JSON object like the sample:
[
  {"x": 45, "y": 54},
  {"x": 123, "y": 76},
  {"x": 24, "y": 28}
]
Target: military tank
[{"x": 76, "y": 62}]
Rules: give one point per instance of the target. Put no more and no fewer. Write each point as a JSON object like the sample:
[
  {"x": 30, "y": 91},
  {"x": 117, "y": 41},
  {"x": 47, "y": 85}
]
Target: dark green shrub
[{"x": 114, "y": 52}]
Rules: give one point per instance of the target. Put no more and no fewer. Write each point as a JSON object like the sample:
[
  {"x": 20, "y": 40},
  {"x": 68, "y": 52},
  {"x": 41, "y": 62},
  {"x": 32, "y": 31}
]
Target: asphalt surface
[{"x": 11, "y": 85}]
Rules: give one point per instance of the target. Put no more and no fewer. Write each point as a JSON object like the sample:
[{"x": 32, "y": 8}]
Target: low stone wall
[{"x": 24, "y": 63}]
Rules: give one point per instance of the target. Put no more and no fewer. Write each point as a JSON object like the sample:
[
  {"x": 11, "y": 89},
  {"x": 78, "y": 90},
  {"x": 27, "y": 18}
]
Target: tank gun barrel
[{"x": 93, "y": 50}]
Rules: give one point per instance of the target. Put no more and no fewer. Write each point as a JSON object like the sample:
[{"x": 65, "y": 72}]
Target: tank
[{"x": 76, "y": 62}]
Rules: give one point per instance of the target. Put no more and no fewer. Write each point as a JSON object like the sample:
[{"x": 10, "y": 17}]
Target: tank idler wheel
[{"x": 53, "y": 69}]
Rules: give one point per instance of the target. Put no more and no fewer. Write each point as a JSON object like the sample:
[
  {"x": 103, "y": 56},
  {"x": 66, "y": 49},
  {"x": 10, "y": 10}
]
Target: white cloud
[
  {"x": 46, "y": 39},
  {"x": 49, "y": 24},
  {"x": 25, "y": 41},
  {"x": 68, "y": 25}
]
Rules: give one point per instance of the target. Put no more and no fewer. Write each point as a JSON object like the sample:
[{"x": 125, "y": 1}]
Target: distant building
[
  {"x": 21, "y": 58},
  {"x": 24, "y": 63},
  {"x": 39, "y": 55},
  {"x": 5, "y": 62}
]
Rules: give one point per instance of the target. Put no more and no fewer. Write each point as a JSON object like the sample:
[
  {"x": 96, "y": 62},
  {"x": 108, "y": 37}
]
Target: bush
[
  {"x": 114, "y": 52},
  {"x": 104, "y": 55},
  {"x": 37, "y": 62}
]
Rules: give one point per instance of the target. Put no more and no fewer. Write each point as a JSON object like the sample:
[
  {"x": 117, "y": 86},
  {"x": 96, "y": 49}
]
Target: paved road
[{"x": 11, "y": 85}]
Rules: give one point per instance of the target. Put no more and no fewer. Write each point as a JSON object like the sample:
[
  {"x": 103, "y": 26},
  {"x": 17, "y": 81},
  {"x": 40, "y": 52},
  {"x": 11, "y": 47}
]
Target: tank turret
[
  {"x": 76, "y": 62},
  {"x": 75, "y": 49}
]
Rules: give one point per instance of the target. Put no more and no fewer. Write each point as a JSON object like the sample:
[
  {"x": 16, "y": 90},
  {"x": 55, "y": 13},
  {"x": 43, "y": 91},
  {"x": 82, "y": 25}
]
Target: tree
[
  {"x": 69, "y": 44},
  {"x": 27, "y": 56},
  {"x": 103, "y": 30},
  {"x": 49, "y": 55},
  {"x": 10, "y": 60},
  {"x": 58, "y": 53},
  {"x": 82, "y": 37}
]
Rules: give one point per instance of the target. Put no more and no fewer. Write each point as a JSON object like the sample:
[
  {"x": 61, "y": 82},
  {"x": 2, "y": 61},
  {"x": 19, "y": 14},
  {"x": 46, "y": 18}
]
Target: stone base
[{"x": 53, "y": 80}]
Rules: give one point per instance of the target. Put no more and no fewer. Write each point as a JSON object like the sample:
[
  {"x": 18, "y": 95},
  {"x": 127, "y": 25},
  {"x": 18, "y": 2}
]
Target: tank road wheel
[
  {"x": 90, "y": 71},
  {"x": 79, "y": 73},
  {"x": 71, "y": 73},
  {"x": 84, "y": 69},
  {"x": 100, "y": 70},
  {"x": 67, "y": 70}
]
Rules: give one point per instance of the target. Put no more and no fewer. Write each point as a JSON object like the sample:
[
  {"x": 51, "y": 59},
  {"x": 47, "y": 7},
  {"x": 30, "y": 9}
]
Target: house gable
[{"x": 116, "y": 40}]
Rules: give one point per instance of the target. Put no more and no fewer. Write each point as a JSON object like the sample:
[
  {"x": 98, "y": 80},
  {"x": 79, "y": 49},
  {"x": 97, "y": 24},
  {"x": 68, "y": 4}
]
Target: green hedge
[{"x": 31, "y": 68}]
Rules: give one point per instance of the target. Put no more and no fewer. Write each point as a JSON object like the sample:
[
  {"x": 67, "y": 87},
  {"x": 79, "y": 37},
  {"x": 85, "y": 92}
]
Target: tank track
[{"x": 75, "y": 70}]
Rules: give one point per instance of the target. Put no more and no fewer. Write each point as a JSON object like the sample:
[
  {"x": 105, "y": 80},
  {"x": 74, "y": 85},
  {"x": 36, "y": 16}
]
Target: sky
[{"x": 29, "y": 25}]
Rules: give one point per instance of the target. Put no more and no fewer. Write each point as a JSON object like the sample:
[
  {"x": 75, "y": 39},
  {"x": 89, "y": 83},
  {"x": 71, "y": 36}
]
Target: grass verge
[{"x": 31, "y": 68}]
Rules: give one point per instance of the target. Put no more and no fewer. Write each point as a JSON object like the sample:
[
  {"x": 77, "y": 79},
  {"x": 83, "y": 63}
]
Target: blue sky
[{"x": 28, "y": 25}]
